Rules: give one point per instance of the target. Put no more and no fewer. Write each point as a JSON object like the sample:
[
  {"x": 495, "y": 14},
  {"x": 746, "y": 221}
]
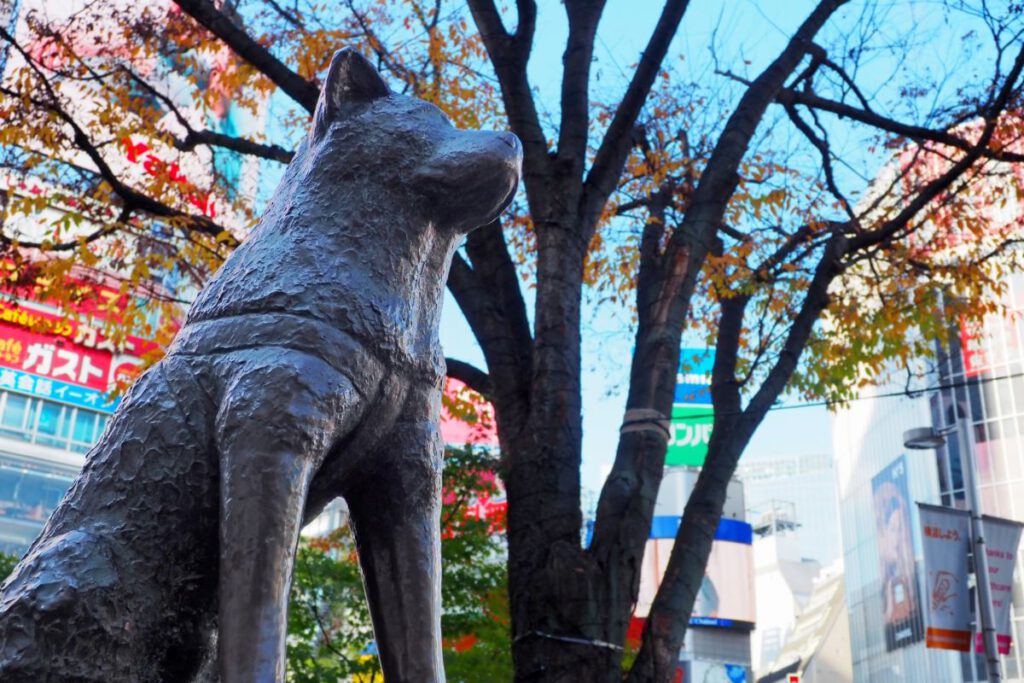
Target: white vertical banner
[
  {"x": 945, "y": 538},
  {"x": 1001, "y": 539}
]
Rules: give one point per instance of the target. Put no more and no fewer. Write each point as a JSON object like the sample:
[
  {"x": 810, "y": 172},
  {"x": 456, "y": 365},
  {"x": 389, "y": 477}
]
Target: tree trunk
[
  {"x": 547, "y": 574},
  {"x": 666, "y": 625}
]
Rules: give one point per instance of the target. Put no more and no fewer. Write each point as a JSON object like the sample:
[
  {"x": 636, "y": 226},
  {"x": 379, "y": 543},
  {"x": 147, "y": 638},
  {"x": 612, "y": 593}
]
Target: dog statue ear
[{"x": 350, "y": 80}]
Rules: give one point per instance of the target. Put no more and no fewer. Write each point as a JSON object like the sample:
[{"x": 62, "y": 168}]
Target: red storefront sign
[{"x": 54, "y": 348}]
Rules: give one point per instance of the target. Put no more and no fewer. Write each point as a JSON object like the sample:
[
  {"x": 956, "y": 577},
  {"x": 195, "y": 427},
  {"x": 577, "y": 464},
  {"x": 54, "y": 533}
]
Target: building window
[
  {"x": 29, "y": 492},
  {"x": 48, "y": 423}
]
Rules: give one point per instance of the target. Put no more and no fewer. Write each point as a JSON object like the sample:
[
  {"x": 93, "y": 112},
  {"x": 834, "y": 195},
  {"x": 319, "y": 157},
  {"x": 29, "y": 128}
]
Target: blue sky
[
  {"x": 750, "y": 34},
  {"x": 747, "y": 34}
]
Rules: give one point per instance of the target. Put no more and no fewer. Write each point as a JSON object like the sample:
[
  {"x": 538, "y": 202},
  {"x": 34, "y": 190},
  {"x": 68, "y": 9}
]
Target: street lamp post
[{"x": 928, "y": 438}]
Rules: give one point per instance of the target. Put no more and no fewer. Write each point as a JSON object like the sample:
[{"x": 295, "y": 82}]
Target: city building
[
  {"x": 818, "y": 651},
  {"x": 886, "y": 644},
  {"x": 783, "y": 582},
  {"x": 800, "y": 489},
  {"x": 717, "y": 643},
  {"x": 979, "y": 377},
  {"x": 54, "y": 404},
  {"x": 791, "y": 503}
]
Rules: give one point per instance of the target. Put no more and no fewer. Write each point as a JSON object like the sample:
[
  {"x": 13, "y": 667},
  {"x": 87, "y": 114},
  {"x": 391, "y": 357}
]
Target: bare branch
[
  {"x": 911, "y": 132},
  {"x": 194, "y": 138},
  {"x": 211, "y": 138},
  {"x": 574, "y": 123},
  {"x": 509, "y": 54},
  {"x": 943, "y": 182},
  {"x": 614, "y": 149},
  {"x": 822, "y": 146}
]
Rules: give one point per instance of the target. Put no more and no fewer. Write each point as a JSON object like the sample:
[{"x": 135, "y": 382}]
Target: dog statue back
[{"x": 309, "y": 367}]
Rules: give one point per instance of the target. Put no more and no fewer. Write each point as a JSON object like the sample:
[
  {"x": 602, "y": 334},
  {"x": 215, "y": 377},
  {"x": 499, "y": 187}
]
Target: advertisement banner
[
  {"x": 692, "y": 416},
  {"x": 1001, "y": 539},
  {"x": 690, "y": 433},
  {"x": 726, "y": 595},
  {"x": 901, "y": 609},
  {"x": 693, "y": 382},
  {"x": 946, "y": 539},
  {"x": 50, "y": 357},
  {"x": 972, "y": 348}
]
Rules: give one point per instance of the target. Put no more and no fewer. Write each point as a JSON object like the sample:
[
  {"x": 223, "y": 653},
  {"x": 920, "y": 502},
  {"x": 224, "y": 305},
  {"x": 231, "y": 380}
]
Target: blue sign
[
  {"x": 693, "y": 383},
  {"x": 666, "y": 526},
  {"x": 55, "y": 390}
]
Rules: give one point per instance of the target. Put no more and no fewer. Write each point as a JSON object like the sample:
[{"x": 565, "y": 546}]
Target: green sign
[{"x": 690, "y": 431}]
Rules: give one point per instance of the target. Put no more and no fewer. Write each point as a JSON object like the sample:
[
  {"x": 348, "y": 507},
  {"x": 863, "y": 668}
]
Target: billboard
[
  {"x": 689, "y": 434},
  {"x": 60, "y": 359},
  {"x": 726, "y": 595},
  {"x": 945, "y": 538},
  {"x": 692, "y": 415},
  {"x": 901, "y": 608}
]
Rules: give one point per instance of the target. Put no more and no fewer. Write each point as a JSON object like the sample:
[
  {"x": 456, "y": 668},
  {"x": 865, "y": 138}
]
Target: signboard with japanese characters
[
  {"x": 692, "y": 413},
  {"x": 946, "y": 542},
  {"x": 46, "y": 356}
]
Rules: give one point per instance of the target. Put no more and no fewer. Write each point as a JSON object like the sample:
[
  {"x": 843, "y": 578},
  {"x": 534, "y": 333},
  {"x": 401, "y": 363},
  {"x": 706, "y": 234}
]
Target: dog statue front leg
[
  {"x": 263, "y": 492},
  {"x": 273, "y": 428},
  {"x": 396, "y": 518}
]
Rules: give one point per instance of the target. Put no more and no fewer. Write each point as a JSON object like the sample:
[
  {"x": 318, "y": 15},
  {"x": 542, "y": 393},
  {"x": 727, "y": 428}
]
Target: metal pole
[{"x": 965, "y": 434}]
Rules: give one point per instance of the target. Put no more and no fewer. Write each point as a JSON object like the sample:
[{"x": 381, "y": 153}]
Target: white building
[
  {"x": 783, "y": 583},
  {"x": 717, "y": 643},
  {"x": 818, "y": 651},
  {"x": 983, "y": 373}
]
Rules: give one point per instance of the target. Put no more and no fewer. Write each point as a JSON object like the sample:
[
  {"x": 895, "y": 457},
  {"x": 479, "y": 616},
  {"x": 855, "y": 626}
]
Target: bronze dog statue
[{"x": 309, "y": 367}]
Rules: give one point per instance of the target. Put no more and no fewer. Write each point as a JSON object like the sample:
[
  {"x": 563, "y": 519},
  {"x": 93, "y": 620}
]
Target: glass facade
[
  {"x": 48, "y": 423},
  {"x": 804, "y": 487},
  {"x": 982, "y": 373},
  {"x": 29, "y": 491},
  {"x": 868, "y": 441},
  {"x": 41, "y": 447}
]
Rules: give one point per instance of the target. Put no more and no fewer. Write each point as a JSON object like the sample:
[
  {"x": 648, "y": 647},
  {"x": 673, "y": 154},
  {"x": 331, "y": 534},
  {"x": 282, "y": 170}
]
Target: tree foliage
[
  {"x": 329, "y": 631},
  {"x": 7, "y": 563}
]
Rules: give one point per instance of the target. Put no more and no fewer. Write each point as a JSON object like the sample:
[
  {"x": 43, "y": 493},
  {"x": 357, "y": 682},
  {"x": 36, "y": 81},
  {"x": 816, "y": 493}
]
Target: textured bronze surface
[{"x": 309, "y": 367}]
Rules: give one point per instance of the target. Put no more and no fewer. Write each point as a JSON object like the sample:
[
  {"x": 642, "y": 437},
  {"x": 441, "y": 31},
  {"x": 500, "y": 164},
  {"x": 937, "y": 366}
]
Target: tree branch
[
  {"x": 260, "y": 58},
  {"x": 615, "y": 145},
  {"x": 489, "y": 296},
  {"x": 131, "y": 198},
  {"x": 703, "y": 219},
  {"x": 509, "y": 54},
  {"x": 943, "y": 182},
  {"x": 194, "y": 138},
  {"x": 911, "y": 132},
  {"x": 574, "y": 125},
  {"x": 815, "y": 301},
  {"x": 690, "y": 244},
  {"x": 826, "y": 159},
  {"x": 470, "y": 375}
]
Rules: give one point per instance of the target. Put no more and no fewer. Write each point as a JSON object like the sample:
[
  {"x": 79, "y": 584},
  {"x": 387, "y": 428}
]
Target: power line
[{"x": 892, "y": 394}]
